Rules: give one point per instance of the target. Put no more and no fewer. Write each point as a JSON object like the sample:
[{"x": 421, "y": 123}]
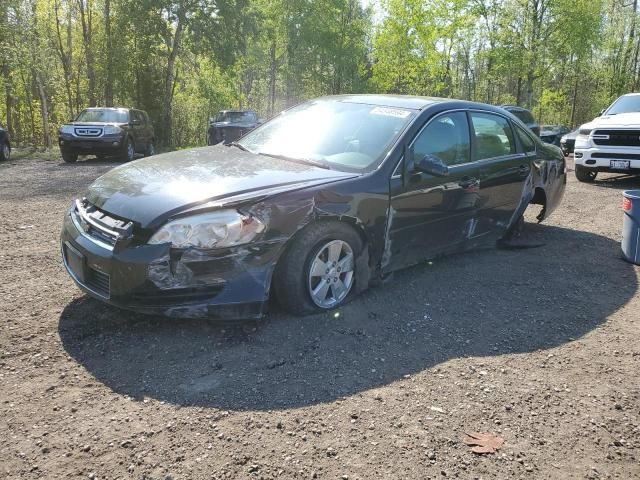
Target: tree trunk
[
  {"x": 65, "y": 56},
  {"x": 87, "y": 37},
  {"x": 44, "y": 109},
  {"x": 108, "y": 84},
  {"x": 167, "y": 104},
  {"x": 272, "y": 77}
]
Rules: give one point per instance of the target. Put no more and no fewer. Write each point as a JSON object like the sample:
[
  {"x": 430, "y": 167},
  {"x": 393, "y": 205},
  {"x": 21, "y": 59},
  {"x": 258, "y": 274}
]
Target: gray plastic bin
[{"x": 631, "y": 226}]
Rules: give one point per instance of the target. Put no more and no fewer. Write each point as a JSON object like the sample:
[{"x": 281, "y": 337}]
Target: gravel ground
[{"x": 538, "y": 346}]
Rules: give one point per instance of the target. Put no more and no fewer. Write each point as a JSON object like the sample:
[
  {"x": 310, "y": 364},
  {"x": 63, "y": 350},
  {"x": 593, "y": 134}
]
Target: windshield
[
  {"x": 234, "y": 117},
  {"x": 341, "y": 135},
  {"x": 625, "y": 104},
  {"x": 103, "y": 116}
]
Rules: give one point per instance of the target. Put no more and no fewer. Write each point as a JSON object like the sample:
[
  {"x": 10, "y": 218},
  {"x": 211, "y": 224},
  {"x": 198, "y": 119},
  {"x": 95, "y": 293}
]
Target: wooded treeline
[{"x": 183, "y": 60}]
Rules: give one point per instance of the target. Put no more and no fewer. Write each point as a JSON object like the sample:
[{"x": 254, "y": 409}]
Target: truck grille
[
  {"x": 617, "y": 138},
  {"x": 88, "y": 132},
  {"x": 98, "y": 281}
]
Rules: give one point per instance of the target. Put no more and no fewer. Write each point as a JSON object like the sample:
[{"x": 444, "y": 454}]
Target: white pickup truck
[{"x": 611, "y": 142}]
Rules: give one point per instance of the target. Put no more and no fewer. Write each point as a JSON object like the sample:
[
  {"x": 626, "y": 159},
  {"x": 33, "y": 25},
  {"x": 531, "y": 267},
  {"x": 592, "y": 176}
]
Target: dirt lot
[{"x": 538, "y": 346}]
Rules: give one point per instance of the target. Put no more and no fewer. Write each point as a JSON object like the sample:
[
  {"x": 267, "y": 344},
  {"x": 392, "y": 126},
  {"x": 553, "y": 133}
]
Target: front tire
[
  {"x": 69, "y": 157},
  {"x": 318, "y": 271},
  {"x": 585, "y": 175}
]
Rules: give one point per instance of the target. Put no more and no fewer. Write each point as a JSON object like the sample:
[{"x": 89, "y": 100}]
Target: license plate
[
  {"x": 75, "y": 261},
  {"x": 86, "y": 145},
  {"x": 621, "y": 164}
]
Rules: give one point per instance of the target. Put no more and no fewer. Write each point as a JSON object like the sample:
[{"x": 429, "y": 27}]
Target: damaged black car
[{"x": 313, "y": 207}]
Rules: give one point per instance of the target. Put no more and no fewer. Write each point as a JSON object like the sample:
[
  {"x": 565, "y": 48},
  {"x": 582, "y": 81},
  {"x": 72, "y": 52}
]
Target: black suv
[
  {"x": 229, "y": 125},
  {"x": 5, "y": 144},
  {"x": 525, "y": 116},
  {"x": 103, "y": 132}
]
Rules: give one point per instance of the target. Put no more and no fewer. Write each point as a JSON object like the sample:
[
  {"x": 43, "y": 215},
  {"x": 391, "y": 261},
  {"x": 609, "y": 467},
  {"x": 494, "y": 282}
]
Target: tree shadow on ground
[
  {"x": 620, "y": 182},
  {"x": 479, "y": 304}
]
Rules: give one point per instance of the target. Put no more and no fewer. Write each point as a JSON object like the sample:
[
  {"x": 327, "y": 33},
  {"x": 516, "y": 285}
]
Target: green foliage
[{"x": 183, "y": 60}]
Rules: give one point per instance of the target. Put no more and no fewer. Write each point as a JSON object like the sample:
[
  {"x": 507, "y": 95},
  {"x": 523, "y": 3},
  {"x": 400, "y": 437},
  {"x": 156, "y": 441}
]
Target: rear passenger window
[
  {"x": 493, "y": 136},
  {"x": 446, "y": 137},
  {"x": 528, "y": 145}
]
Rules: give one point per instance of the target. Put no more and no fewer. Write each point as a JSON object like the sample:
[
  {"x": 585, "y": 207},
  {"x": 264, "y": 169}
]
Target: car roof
[
  {"x": 412, "y": 102},
  {"x": 396, "y": 101},
  {"x": 237, "y": 111}
]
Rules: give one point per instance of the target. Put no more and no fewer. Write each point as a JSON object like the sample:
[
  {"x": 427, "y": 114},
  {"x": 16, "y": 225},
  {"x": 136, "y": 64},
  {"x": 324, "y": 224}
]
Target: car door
[
  {"x": 430, "y": 214},
  {"x": 504, "y": 169}
]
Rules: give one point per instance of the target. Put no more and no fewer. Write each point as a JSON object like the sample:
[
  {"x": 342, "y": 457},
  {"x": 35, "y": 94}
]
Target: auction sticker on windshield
[{"x": 390, "y": 112}]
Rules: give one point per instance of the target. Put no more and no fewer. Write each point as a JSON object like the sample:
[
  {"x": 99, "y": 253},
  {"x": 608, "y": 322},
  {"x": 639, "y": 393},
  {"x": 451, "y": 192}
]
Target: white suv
[{"x": 611, "y": 142}]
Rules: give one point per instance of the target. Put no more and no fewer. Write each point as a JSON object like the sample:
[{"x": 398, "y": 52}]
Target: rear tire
[
  {"x": 129, "y": 152},
  {"x": 149, "y": 149},
  {"x": 294, "y": 280},
  {"x": 585, "y": 175},
  {"x": 69, "y": 157},
  {"x": 5, "y": 152}
]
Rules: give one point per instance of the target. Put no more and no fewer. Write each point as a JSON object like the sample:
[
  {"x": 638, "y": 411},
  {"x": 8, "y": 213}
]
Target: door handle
[{"x": 523, "y": 169}]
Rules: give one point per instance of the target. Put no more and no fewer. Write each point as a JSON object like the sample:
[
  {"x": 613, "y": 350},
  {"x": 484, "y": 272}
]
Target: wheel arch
[{"x": 363, "y": 268}]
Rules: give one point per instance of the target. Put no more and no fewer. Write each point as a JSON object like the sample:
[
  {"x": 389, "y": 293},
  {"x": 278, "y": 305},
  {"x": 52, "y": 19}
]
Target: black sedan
[
  {"x": 553, "y": 133},
  {"x": 314, "y": 206},
  {"x": 568, "y": 141}
]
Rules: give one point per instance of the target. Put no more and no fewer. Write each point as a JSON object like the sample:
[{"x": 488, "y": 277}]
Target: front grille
[
  {"x": 99, "y": 225},
  {"x": 617, "y": 138},
  {"x": 88, "y": 132},
  {"x": 622, "y": 156},
  {"x": 98, "y": 281}
]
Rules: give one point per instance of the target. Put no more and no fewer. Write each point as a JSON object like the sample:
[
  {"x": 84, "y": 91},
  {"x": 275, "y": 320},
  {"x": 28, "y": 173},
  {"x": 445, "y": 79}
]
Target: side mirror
[
  {"x": 136, "y": 123},
  {"x": 432, "y": 165},
  {"x": 602, "y": 111}
]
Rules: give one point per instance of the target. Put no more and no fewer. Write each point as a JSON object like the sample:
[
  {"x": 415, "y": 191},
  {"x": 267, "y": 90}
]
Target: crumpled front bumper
[{"x": 228, "y": 284}]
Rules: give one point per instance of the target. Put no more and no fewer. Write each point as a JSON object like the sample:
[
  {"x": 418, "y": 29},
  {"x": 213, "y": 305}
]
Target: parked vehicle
[
  {"x": 553, "y": 133},
  {"x": 525, "y": 116},
  {"x": 103, "y": 132},
  {"x": 5, "y": 144},
  {"x": 568, "y": 142},
  {"x": 229, "y": 125},
  {"x": 611, "y": 142},
  {"x": 313, "y": 206}
]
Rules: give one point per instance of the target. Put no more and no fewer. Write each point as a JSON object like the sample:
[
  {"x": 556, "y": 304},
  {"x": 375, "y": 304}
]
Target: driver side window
[{"x": 446, "y": 137}]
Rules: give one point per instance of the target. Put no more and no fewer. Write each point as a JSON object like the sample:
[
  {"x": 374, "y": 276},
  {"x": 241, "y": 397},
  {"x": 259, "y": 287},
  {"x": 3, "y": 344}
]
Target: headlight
[
  {"x": 224, "y": 228},
  {"x": 584, "y": 131},
  {"x": 68, "y": 129},
  {"x": 112, "y": 130}
]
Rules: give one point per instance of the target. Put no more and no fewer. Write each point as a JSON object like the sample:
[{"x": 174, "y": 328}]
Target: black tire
[
  {"x": 585, "y": 175},
  {"x": 149, "y": 149},
  {"x": 69, "y": 157},
  {"x": 128, "y": 150},
  {"x": 291, "y": 279},
  {"x": 5, "y": 152}
]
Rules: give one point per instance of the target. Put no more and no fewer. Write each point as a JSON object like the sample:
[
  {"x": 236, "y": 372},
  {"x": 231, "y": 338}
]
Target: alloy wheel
[{"x": 331, "y": 274}]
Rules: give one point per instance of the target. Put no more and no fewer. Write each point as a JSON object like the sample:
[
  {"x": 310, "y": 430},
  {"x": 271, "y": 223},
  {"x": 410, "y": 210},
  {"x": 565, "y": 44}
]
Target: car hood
[
  {"x": 621, "y": 120},
  {"x": 150, "y": 190}
]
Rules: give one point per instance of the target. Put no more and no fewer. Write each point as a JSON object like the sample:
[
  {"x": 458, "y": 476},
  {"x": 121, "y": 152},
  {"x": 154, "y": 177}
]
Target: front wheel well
[{"x": 362, "y": 262}]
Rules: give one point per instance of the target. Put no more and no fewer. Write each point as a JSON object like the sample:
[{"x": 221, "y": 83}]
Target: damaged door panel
[{"x": 390, "y": 180}]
